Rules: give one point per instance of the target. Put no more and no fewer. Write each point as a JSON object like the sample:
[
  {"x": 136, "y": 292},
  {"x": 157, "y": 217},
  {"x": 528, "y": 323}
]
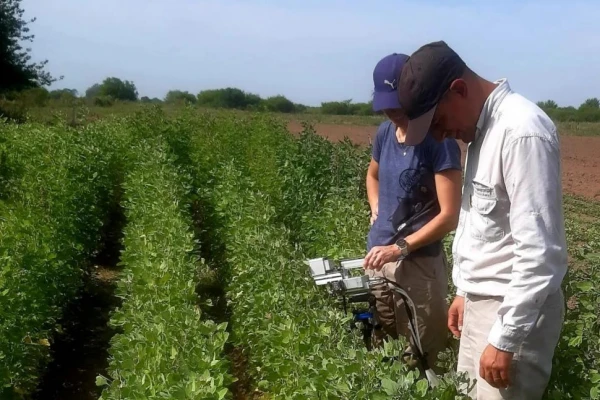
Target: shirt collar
[{"x": 492, "y": 103}]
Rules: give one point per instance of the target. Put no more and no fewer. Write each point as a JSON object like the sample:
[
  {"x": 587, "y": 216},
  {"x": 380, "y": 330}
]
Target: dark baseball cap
[
  {"x": 424, "y": 79},
  {"x": 385, "y": 81}
]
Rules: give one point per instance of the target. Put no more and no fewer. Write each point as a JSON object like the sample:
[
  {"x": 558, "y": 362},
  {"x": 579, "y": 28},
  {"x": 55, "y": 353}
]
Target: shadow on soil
[{"x": 80, "y": 353}]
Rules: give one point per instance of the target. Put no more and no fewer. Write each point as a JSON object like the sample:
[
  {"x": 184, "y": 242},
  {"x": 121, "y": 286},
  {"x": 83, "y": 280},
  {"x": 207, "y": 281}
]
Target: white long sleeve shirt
[{"x": 510, "y": 240}]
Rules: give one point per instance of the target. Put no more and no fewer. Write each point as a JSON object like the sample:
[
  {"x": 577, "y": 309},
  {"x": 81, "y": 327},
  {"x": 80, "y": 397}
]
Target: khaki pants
[
  {"x": 424, "y": 279},
  {"x": 532, "y": 364}
]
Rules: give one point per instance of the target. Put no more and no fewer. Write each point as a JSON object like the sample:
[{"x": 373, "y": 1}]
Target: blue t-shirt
[{"x": 407, "y": 184}]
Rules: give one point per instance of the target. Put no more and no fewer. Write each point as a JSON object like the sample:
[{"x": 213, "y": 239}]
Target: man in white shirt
[{"x": 509, "y": 249}]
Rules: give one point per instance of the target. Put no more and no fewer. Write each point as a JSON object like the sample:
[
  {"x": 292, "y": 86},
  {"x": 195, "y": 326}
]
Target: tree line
[
  {"x": 588, "y": 111},
  {"x": 113, "y": 90}
]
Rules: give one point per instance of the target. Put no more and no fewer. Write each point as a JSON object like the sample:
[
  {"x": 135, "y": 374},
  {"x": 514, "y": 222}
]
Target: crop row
[
  {"x": 261, "y": 203},
  {"x": 294, "y": 337},
  {"x": 56, "y": 188},
  {"x": 166, "y": 348}
]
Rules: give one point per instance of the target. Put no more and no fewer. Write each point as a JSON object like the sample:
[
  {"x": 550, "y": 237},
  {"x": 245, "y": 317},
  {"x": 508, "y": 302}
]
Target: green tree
[
  {"x": 118, "y": 89},
  {"x": 279, "y": 103},
  {"x": 253, "y": 101},
  {"x": 592, "y": 103},
  {"x": 61, "y": 94},
  {"x": 364, "y": 108},
  {"x": 233, "y": 98},
  {"x": 547, "y": 105},
  {"x": 300, "y": 108},
  {"x": 92, "y": 91},
  {"x": 17, "y": 71},
  {"x": 66, "y": 97},
  {"x": 338, "y": 107},
  {"x": 228, "y": 98},
  {"x": 178, "y": 96}
]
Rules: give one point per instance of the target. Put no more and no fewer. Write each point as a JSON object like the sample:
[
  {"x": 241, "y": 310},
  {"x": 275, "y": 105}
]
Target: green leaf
[
  {"x": 584, "y": 286},
  {"x": 575, "y": 341},
  {"x": 101, "y": 381},
  {"x": 263, "y": 385},
  {"x": 222, "y": 393},
  {"x": 343, "y": 387},
  {"x": 422, "y": 386},
  {"x": 390, "y": 386}
]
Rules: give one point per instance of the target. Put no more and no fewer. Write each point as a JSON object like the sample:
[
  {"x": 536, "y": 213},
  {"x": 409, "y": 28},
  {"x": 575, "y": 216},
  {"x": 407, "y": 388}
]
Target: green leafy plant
[
  {"x": 166, "y": 349},
  {"x": 58, "y": 186}
]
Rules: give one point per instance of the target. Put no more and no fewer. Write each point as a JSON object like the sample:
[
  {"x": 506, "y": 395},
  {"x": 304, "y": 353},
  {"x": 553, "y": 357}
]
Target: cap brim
[
  {"x": 418, "y": 128},
  {"x": 385, "y": 100}
]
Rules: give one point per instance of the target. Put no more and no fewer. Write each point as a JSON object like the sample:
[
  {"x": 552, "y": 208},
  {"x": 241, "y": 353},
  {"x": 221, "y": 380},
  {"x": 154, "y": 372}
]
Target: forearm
[
  {"x": 373, "y": 192},
  {"x": 433, "y": 231}
]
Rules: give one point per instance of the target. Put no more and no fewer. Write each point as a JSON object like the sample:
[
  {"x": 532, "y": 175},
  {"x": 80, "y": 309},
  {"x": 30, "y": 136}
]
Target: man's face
[{"x": 453, "y": 117}]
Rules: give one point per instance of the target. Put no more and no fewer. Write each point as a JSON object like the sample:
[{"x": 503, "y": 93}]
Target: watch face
[{"x": 401, "y": 243}]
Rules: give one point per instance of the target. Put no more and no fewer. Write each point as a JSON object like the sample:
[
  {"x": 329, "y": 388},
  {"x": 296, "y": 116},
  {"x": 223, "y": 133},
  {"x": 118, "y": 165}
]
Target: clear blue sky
[{"x": 311, "y": 50}]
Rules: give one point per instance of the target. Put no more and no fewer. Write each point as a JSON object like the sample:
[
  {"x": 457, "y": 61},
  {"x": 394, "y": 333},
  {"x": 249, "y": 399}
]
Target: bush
[
  {"x": 13, "y": 111},
  {"x": 104, "y": 101},
  {"x": 179, "y": 97},
  {"x": 34, "y": 97},
  {"x": 279, "y": 104}
]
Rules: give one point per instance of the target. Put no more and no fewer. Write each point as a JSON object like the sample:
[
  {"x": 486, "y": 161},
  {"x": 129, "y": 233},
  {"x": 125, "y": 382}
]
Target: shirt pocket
[{"x": 485, "y": 214}]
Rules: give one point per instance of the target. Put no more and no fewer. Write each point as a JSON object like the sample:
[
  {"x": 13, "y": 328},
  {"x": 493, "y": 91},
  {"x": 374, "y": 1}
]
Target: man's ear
[{"x": 459, "y": 87}]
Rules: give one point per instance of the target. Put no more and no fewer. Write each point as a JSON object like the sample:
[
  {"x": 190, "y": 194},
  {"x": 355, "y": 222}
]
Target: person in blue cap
[{"x": 414, "y": 193}]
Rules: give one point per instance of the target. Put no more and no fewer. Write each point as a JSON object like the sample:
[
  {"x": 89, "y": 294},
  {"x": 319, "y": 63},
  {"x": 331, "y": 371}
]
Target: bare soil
[
  {"x": 580, "y": 155},
  {"x": 242, "y": 388},
  {"x": 80, "y": 354}
]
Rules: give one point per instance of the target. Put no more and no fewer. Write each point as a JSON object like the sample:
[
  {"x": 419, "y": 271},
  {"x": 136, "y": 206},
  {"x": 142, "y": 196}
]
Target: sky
[{"x": 313, "y": 51}]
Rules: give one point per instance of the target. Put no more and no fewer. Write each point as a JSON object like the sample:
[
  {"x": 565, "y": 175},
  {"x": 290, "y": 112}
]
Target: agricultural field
[{"x": 160, "y": 255}]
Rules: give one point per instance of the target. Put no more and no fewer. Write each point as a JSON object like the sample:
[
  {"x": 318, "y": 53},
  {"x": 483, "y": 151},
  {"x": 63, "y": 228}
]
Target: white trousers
[{"x": 532, "y": 364}]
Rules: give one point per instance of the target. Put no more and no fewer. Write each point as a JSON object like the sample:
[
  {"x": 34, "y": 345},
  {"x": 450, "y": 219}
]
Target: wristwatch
[{"x": 403, "y": 246}]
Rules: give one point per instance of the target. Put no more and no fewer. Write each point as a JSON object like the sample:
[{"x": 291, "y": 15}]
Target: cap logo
[{"x": 392, "y": 83}]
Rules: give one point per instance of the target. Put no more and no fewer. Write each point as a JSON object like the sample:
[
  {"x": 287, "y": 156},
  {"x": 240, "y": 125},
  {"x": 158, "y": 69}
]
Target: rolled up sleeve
[{"x": 532, "y": 175}]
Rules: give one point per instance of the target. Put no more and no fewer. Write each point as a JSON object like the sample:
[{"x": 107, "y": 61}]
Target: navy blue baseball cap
[
  {"x": 385, "y": 79},
  {"x": 423, "y": 82}
]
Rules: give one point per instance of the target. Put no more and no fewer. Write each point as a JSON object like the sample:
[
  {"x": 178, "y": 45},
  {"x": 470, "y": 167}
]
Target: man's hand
[
  {"x": 380, "y": 255},
  {"x": 494, "y": 367},
  {"x": 456, "y": 313}
]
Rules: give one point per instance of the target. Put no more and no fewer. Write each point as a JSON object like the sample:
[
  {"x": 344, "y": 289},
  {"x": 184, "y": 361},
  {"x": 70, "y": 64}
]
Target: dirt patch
[
  {"x": 357, "y": 133},
  {"x": 242, "y": 388},
  {"x": 80, "y": 353},
  {"x": 580, "y": 155},
  {"x": 581, "y": 162}
]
